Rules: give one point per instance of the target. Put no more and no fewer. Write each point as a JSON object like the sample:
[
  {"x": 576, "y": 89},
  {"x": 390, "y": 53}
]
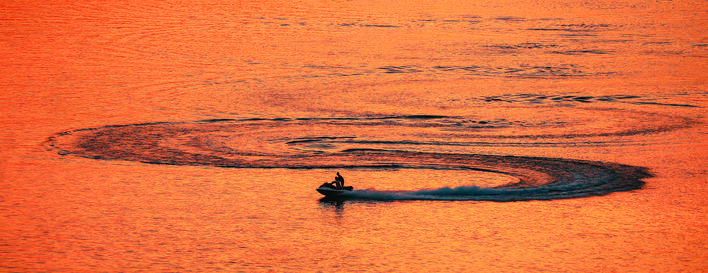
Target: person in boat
[{"x": 338, "y": 182}]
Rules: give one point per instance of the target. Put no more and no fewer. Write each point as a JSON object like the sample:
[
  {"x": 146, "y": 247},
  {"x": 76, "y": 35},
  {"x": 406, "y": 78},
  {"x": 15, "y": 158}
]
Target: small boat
[{"x": 328, "y": 190}]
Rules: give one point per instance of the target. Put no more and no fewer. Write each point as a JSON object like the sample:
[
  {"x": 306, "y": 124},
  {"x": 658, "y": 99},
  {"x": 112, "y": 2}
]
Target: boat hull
[{"x": 327, "y": 191}]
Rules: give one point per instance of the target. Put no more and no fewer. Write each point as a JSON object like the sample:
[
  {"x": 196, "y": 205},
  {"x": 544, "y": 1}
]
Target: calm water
[{"x": 498, "y": 136}]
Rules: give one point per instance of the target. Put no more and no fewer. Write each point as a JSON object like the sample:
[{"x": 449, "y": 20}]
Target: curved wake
[
  {"x": 311, "y": 144},
  {"x": 538, "y": 178}
]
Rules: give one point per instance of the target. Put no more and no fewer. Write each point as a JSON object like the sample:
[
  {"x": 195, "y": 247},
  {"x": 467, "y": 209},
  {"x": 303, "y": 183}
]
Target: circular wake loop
[{"x": 316, "y": 143}]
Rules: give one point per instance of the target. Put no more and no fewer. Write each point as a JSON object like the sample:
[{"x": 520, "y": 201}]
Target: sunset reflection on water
[{"x": 153, "y": 136}]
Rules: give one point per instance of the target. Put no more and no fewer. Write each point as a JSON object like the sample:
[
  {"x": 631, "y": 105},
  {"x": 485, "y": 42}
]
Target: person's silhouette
[{"x": 340, "y": 180}]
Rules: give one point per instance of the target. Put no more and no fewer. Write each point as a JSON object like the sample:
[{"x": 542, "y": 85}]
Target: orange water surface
[{"x": 481, "y": 136}]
